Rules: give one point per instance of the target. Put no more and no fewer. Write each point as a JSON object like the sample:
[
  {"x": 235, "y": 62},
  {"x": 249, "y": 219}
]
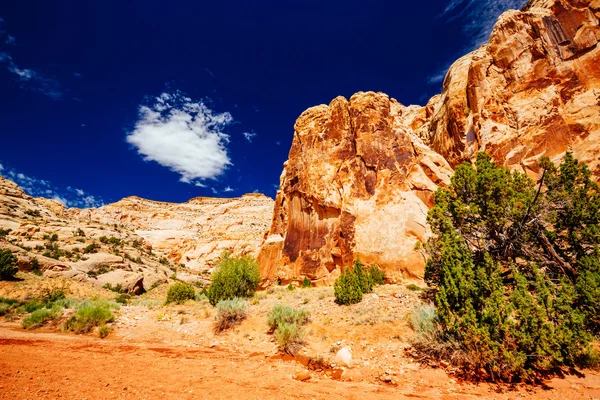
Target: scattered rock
[{"x": 344, "y": 357}]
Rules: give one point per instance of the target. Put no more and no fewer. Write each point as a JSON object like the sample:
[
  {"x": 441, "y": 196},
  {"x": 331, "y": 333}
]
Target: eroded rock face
[
  {"x": 534, "y": 90},
  {"x": 357, "y": 182},
  {"x": 194, "y": 233},
  {"x": 361, "y": 173}
]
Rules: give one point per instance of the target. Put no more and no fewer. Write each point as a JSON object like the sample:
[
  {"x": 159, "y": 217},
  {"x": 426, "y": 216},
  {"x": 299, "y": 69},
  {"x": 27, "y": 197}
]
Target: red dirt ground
[{"x": 51, "y": 365}]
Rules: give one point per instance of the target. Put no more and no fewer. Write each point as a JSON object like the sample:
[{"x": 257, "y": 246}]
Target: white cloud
[
  {"x": 249, "y": 136},
  {"x": 478, "y": 18},
  {"x": 183, "y": 135},
  {"x": 35, "y": 187},
  {"x": 228, "y": 189},
  {"x": 27, "y": 78}
]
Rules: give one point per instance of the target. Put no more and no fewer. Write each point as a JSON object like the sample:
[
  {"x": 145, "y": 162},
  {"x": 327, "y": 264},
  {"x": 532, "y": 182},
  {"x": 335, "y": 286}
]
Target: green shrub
[
  {"x": 4, "y": 232},
  {"x": 91, "y": 248},
  {"x": 290, "y": 338},
  {"x": 364, "y": 277},
  {"x": 281, "y": 314},
  {"x": 8, "y": 265},
  {"x": 88, "y": 316},
  {"x": 377, "y": 275},
  {"x": 180, "y": 292},
  {"x": 306, "y": 283},
  {"x": 118, "y": 288},
  {"x": 7, "y": 305},
  {"x": 423, "y": 320},
  {"x": 291, "y": 287},
  {"x": 286, "y": 323},
  {"x": 103, "y": 331},
  {"x": 233, "y": 277},
  {"x": 39, "y": 317},
  {"x": 413, "y": 288},
  {"x": 230, "y": 313},
  {"x": 30, "y": 306},
  {"x": 347, "y": 288},
  {"x": 123, "y": 298},
  {"x": 514, "y": 267}
]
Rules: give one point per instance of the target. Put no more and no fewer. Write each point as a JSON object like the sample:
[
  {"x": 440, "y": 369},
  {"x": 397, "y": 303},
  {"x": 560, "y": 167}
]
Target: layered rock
[
  {"x": 361, "y": 173},
  {"x": 194, "y": 233},
  {"x": 357, "y": 183}
]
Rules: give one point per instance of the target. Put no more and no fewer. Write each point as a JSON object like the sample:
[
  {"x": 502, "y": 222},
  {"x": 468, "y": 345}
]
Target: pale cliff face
[{"x": 361, "y": 173}]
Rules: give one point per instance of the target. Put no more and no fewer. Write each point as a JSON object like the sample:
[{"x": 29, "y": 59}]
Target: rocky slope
[
  {"x": 361, "y": 173},
  {"x": 134, "y": 243},
  {"x": 194, "y": 233}
]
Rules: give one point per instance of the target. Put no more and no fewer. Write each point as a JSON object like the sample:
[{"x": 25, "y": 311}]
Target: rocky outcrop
[
  {"x": 357, "y": 183},
  {"x": 194, "y": 233},
  {"x": 534, "y": 90},
  {"x": 361, "y": 173}
]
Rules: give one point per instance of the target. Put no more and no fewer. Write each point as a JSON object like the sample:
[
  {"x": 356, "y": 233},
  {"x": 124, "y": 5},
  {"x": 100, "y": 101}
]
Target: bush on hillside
[
  {"x": 365, "y": 279},
  {"x": 180, "y": 292},
  {"x": 233, "y": 277},
  {"x": 286, "y": 324},
  {"x": 347, "y": 288},
  {"x": 89, "y": 315},
  {"x": 306, "y": 283},
  {"x": 8, "y": 265},
  {"x": 230, "y": 313},
  {"x": 377, "y": 275},
  {"x": 515, "y": 269},
  {"x": 39, "y": 317}
]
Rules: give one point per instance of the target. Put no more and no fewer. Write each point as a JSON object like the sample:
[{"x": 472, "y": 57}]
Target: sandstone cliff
[{"x": 361, "y": 173}]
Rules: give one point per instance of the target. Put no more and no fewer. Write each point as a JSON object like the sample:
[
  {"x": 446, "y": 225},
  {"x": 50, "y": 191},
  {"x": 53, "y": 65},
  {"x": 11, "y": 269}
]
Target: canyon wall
[{"x": 362, "y": 172}]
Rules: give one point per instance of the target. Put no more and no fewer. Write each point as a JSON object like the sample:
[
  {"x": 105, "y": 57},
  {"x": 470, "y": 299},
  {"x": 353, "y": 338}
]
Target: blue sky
[{"x": 173, "y": 100}]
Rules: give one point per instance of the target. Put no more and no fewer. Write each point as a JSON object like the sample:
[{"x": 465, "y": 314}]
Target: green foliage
[
  {"x": 7, "y": 305},
  {"x": 515, "y": 268},
  {"x": 164, "y": 261},
  {"x": 88, "y": 316},
  {"x": 118, "y": 288},
  {"x": 306, "y": 283},
  {"x": 377, "y": 275},
  {"x": 423, "y": 320},
  {"x": 230, "y": 313},
  {"x": 180, "y": 292},
  {"x": 39, "y": 317},
  {"x": 291, "y": 287},
  {"x": 233, "y": 277},
  {"x": 286, "y": 324},
  {"x": 91, "y": 248},
  {"x": 4, "y": 232},
  {"x": 413, "y": 288},
  {"x": 123, "y": 298},
  {"x": 8, "y": 265},
  {"x": 364, "y": 277},
  {"x": 347, "y": 288},
  {"x": 282, "y": 314}
]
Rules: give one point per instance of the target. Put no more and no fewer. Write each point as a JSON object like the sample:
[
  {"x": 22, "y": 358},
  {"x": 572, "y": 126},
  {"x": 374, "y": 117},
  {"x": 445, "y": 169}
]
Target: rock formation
[
  {"x": 361, "y": 173},
  {"x": 194, "y": 233},
  {"x": 141, "y": 243}
]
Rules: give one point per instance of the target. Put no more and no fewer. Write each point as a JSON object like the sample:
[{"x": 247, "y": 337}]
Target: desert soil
[{"x": 172, "y": 352}]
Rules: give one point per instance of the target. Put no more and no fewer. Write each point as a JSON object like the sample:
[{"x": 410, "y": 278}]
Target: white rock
[{"x": 344, "y": 356}]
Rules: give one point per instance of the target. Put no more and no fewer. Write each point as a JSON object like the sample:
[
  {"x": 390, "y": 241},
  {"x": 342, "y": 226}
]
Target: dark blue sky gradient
[{"x": 264, "y": 62}]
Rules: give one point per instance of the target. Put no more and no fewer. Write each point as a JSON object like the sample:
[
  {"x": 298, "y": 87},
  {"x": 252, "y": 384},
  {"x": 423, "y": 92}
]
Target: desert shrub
[
  {"x": 377, "y": 275},
  {"x": 286, "y": 324},
  {"x": 123, "y": 298},
  {"x": 347, "y": 289},
  {"x": 35, "y": 266},
  {"x": 4, "y": 232},
  {"x": 39, "y": 317},
  {"x": 514, "y": 268},
  {"x": 233, "y": 277},
  {"x": 7, "y": 305},
  {"x": 180, "y": 292},
  {"x": 281, "y": 314},
  {"x": 423, "y": 320},
  {"x": 291, "y": 287},
  {"x": 88, "y": 316},
  {"x": 91, "y": 248},
  {"x": 413, "y": 288},
  {"x": 164, "y": 261},
  {"x": 230, "y": 313},
  {"x": 364, "y": 277},
  {"x": 8, "y": 265},
  {"x": 52, "y": 292},
  {"x": 306, "y": 283},
  {"x": 118, "y": 288},
  {"x": 30, "y": 306},
  {"x": 290, "y": 338},
  {"x": 104, "y": 331}
]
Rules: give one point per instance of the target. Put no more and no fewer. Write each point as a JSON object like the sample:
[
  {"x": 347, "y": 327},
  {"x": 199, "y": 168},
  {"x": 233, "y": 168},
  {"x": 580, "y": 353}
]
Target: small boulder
[
  {"x": 344, "y": 357},
  {"x": 301, "y": 376}
]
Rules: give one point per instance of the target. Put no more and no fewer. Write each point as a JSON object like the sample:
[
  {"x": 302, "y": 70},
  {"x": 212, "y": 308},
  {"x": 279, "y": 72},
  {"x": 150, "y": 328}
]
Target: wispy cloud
[
  {"x": 35, "y": 187},
  {"x": 249, "y": 136},
  {"x": 27, "y": 78},
  {"x": 477, "y": 18},
  {"x": 228, "y": 189},
  {"x": 183, "y": 135}
]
